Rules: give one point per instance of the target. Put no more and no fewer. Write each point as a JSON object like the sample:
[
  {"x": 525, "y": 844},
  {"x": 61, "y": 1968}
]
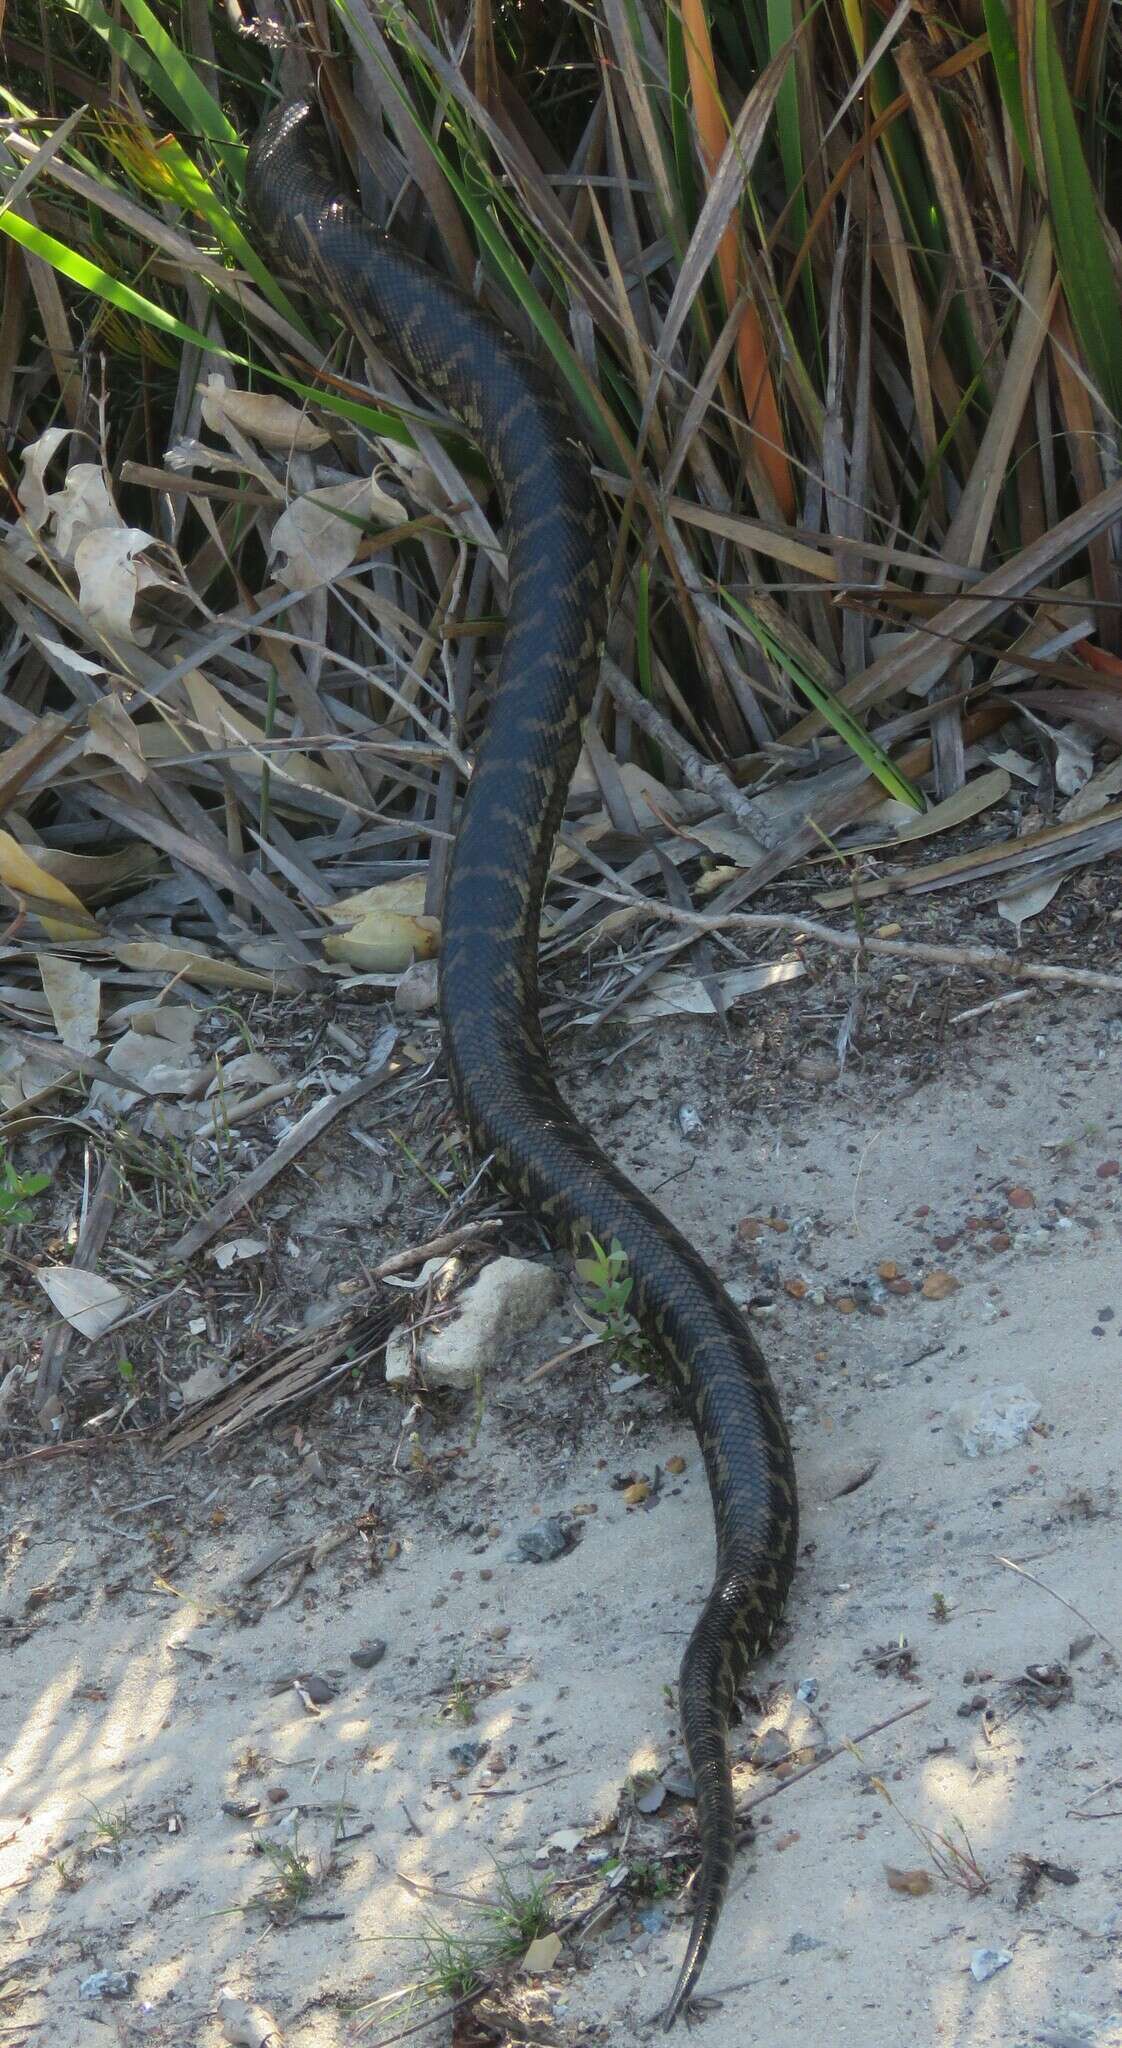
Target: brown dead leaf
[{"x": 914, "y": 1884}]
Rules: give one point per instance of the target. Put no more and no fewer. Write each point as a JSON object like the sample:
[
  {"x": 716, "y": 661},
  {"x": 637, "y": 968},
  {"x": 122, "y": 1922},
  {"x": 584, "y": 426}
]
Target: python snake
[{"x": 501, "y": 1078}]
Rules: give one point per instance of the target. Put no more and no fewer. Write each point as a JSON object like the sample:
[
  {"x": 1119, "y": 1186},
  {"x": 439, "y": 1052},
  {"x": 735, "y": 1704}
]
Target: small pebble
[
  {"x": 467, "y": 1754},
  {"x": 107, "y": 1984},
  {"x": 545, "y": 1541},
  {"x": 986, "y": 1962},
  {"x": 368, "y": 1654},
  {"x": 772, "y": 1748},
  {"x": 314, "y": 1688}
]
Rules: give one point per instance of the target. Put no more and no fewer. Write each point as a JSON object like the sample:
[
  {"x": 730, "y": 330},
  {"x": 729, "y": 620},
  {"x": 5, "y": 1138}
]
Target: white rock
[
  {"x": 997, "y": 1420},
  {"x": 399, "y": 1357},
  {"x": 509, "y": 1297}
]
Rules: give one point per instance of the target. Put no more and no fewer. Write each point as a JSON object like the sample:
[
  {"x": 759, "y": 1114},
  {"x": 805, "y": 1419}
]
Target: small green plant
[
  {"x": 608, "y": 1286},
  {"x": 455, "y": 1969},
  {"x": 462, "y": 1964},
  {"x": 459, "y": 1705},
  {"x": 292, "y": 1877},
  {"x": 519, "y": 1918},
  {"x": 127, "y": 1370},
  {"x": 165, "y": 1164},
  {"x": 940, "y": 1607},
  {"x": 109, "y": 1829},
  {"x": 16, "y": 1192},
  {"x": 648, "y": 1880}
]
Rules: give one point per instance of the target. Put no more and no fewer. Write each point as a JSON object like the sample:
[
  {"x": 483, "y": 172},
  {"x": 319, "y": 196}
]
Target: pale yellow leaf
[
  {"x": 273, "y": 422},
  {"x": 28, "y": 882},
  {"x": 153, "y": 956},
  {"x": 387, "y": 927},
  {"x": 541, "y": 1955}
]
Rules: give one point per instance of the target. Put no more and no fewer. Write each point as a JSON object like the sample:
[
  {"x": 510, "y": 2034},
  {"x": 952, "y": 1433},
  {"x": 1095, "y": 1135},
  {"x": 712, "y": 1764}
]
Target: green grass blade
[
  {"x": 1007, "y": 66},
  {"x": 92, "y": 278},
  {"x": 781, "y": 30},
  {"x": 162, "y": 66},
  {"x": 1081, "y": 250},
  {"x": 194, "y": 190},
  {"x": 681, "y": 138},
  {"x": 856, "y": 738}
]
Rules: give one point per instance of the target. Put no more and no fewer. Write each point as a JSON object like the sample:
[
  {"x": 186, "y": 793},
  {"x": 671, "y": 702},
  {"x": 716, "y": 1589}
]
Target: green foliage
[
  {"x": 461, "y": 1964},
  {"x": 17, "y": 1191},
  {"x": 1081, "y": 248},
  {"x": 608, "y": 1287}
]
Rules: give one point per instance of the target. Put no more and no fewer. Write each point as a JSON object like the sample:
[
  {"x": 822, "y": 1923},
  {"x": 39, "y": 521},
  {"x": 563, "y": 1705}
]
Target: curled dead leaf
[{"x": 914, "y": 1884}]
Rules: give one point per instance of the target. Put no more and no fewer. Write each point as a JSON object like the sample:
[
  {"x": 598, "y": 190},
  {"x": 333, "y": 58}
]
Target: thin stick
[
  {"x": 828, "y": 1756},
  {"x": 434, "y": 1247},
  {"x": 983, "y": 959},
  {"x": 310, "y": 1126},
  {"x": 430, "y": 2020},
  {"x": 1069, "y": 1604},
  {"x": 700, "y": 774}
]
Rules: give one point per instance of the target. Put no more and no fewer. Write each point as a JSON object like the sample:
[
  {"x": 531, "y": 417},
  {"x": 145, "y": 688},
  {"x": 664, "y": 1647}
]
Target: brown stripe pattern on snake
[{"x": 558, "y": 562}]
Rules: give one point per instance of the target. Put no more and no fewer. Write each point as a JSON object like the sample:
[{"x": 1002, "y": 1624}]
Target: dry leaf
[
  {"x": 175, "y": 1023},
  {"x": 202, "y": 1384},
  {"x": 684, "y": 995},
  {"x": 82, "y": 507},
  {"x": 914, "y": 1883},
  {"x": 139, "y": 1056},
  {"x": 273, "y": 422},
  {"x": 388, "y": 929},
  {"x": 33, "y": 489},
  {"x": 87, "y": 1301},
  {"x": 94, "y": 875},
  {"x": 27, "y": 881},
  {"x": 193, "y": 965},
  {"x": 541, "y": 1955},
  {"x": 1022, "y": 904},
  {"x": 237, "y": 1248},
  {"x": 247, "y": 1069},
  {"x": 319, "y": 543},
  {"x": 220, "y": 724},
  {"x": 111, "y": 577},
  {"x": 75, "y": 999},
  {"x": 112, "y": 733}
]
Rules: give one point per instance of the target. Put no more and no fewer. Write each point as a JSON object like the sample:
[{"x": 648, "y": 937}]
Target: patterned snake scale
[{"x": 558, "y": 564}]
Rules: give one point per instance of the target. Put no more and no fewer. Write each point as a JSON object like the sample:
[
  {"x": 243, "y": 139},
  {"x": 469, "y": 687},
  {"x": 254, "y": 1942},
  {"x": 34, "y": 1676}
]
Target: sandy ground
[{"x": 150, "y": 1730}]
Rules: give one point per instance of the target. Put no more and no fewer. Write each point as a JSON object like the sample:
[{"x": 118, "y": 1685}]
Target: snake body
[{"x": 501, "y": 1078}]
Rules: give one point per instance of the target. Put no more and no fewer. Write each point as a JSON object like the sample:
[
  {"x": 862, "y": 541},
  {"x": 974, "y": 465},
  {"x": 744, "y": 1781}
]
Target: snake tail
[{"x": 558, "y": 558}]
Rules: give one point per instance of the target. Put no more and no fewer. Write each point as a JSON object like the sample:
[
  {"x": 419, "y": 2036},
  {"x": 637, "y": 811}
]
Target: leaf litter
[{"x": 867, "y": 485}]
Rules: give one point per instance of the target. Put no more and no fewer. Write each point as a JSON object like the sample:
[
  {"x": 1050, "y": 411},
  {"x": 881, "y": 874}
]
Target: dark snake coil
[{"x": 558, "y": 563}]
